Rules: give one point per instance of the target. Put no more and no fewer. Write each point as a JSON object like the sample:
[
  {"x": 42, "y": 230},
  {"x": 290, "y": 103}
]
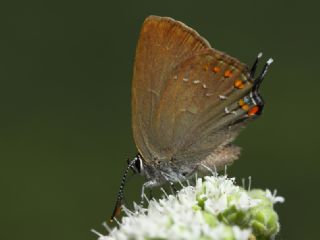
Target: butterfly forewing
[{"x": 163, "y": 44}]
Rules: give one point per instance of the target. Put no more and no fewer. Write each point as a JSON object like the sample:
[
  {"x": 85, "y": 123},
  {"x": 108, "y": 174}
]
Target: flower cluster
[{"x": 215, "y": 208}]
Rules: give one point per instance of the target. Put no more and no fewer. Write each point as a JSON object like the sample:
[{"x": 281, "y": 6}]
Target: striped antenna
[{"x": 117, "y": 208}]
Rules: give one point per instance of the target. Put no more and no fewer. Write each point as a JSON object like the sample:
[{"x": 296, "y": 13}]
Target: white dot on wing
[{"x": 196, "y": 81}]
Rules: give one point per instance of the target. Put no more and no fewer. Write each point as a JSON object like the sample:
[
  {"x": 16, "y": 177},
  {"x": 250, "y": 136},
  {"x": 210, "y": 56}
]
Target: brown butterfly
[{"x": 189, "y": 102}]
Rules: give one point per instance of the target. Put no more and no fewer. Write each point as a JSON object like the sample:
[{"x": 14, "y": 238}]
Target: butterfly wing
[
  {"x": 163, "y": 44},
  {"x": 201, "y": 107}
]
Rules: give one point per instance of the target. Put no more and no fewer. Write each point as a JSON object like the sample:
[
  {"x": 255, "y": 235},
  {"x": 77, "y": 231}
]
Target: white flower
[
  {"x": 273, "y": 196},
  {"x": 204, "y": 211}
]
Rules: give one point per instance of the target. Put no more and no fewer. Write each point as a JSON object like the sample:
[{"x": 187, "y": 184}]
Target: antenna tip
[
  {"x": 259, "y": 55},
  {"x": 116, "y": 211},
  {"x": 270, "y": 61}
]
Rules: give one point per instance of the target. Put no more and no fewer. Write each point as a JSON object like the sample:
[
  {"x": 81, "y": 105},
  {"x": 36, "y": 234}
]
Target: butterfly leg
[{"x": 148, "y": 184}]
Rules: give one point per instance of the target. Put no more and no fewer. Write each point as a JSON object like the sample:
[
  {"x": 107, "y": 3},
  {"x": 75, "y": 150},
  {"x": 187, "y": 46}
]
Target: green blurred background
[{"x": 65, "y": 128}]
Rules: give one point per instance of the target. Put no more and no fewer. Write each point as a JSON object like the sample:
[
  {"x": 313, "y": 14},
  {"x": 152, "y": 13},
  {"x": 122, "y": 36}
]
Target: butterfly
[{"x": 189, "y": 102}]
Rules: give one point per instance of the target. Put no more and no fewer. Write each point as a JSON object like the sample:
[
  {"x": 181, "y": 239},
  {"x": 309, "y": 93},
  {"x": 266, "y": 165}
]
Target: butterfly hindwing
[{"x": 192, "y": 119}]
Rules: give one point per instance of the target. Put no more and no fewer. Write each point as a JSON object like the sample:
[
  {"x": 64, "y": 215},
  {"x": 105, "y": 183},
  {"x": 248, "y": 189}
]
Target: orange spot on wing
[
  {"x": 245, "y": 107},
  {"x": 228, "y": 74},
  {"x": 238, "y": 84},
  {"x": 241, "y": 102},
  {"x": 253, "y": 110},
  {"x": 216, "y": 69}
]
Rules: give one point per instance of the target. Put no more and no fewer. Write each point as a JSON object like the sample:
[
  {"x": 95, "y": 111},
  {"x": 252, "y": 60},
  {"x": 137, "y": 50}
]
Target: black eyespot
[{"x": 184, "y": 173}]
